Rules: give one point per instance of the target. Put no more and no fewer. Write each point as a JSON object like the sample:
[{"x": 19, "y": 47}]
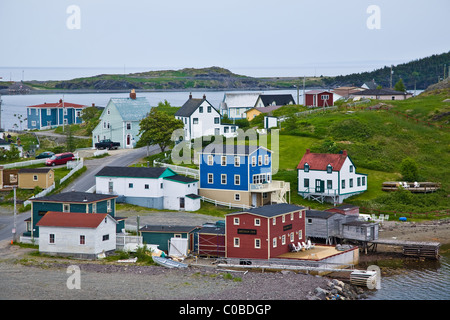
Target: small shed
[
  {"x": 319, "y": 98},
  {"x": 161, "y": 234},
  {"x": 211, "y": 240},
  {"x": 360, "y": 230},
  {"x": 29, "y": 178},
  {"x": 322, "y": 225}
]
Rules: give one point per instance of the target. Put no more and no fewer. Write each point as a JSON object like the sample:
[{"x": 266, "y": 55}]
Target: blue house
[
  {"x": 240, "y": 175},
  {"x": 49, "y": 115},
  {"x": 68, "y": 202}
]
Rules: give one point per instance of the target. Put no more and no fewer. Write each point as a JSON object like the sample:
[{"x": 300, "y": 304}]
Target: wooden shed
[
  {"x": 211, "y": 240},
  {"x": 323, "y": 225},
  {"x": 360, "y": 230},
  {"x": 30, "y": 178},
  {"x": 160, "y": 235}
]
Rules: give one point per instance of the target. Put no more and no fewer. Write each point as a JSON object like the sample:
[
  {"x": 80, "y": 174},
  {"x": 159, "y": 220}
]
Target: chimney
[
  {"x": 60, "y": 100},
  {"x": 344, "y": 152},
  {"x": 133, "y": 94},
  {"x": 204, "y": 97},
  {"x": 93, "y": 104},
  {"x": 307, "y": 151},
  {"x": 190, "y": 95}
]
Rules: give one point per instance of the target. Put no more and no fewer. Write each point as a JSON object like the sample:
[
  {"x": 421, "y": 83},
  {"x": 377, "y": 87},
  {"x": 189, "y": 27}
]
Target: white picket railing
[
  {"x": 23, "y": 163},
  {"x": 226, "y": 204},
  {"x": 178, "y": 169},
  {"x": 40, "y": 194}
]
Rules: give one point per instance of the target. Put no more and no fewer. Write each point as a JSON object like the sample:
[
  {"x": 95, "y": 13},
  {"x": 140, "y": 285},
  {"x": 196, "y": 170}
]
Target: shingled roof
[
  {"x": 272, "y": 210},
  {"x": 73, "y": 219},
  {"x": 278, "y": 99},
  {"x": 190, "y": 106},
  {"x": 73, "y": 196},
  {"x": 320, "y": 161},
  {"x": 134, "y": 172}
]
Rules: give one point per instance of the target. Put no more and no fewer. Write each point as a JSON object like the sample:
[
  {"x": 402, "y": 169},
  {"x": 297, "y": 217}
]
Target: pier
[{"x": 420, "y": 249}]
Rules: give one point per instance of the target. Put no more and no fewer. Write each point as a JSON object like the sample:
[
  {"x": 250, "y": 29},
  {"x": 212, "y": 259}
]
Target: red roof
[
  {"x": 58, "y": 105},
  {"x": 320, "y": 161},
  {"x": 318, "y": 92},
  {"x": 71, "y": 219}
]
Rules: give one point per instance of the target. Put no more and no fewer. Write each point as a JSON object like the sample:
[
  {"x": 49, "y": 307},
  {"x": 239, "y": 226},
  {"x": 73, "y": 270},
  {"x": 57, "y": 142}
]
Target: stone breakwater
[{"x": 337, "y": 290}]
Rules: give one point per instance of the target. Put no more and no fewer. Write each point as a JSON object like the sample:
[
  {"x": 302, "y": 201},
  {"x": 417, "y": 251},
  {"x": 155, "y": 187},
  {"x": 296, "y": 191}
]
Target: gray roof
[
  {"x": 132, "y": 109},
  {"x": 190, "y": 106},
  {"x": 279, "y": 99},
  {"x": 273, "y": 210},
  {"x": 169, "y": 229},
  {"x": 240, "y": 100},
  {"x": 229, "y": 149},
  {"x": 136, "y": 172},
  {"x": 35, "y": 170},
  {"x": 378, "y": 92},
  {"x": 180, "y": 178},
  {"x": 75, "y": 197},
  {"x": 319, "y": 214}
]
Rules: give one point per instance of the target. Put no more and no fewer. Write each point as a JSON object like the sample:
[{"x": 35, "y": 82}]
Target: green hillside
[{"x": 377, "y": 142}]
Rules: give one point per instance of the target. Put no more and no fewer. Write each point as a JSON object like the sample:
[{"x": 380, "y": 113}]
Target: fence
[
  {"x": 75, "y": 169},
  {"x": 123, "y": 240},
  {"x": 436, "y": 213},
  {"x": 40, "y": 194},
  {"x": 226, "y": 204},
  {"x": 23, "y": 163},
  {"x": 181, "y": 170}
]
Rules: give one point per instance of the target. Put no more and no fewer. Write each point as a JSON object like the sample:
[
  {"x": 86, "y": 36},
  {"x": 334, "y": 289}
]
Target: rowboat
[{"x": 169, "y": 263}]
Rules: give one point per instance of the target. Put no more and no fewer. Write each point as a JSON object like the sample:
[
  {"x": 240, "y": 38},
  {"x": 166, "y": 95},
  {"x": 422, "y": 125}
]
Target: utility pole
[
  {"x": 391, "y": 77},
  {"x": 0, "y": 113},
  {"x": 304, "y": 101},
  {"x": 14, "y": 230}
]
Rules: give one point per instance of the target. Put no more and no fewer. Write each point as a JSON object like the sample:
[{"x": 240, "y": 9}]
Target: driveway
[{"x": 117, "y": 158}]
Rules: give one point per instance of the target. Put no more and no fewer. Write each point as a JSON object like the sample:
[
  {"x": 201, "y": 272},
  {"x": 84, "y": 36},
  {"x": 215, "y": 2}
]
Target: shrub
[{"x": 409, "y": 170}]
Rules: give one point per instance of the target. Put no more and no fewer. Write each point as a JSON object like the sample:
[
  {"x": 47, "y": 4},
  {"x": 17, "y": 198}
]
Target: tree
[
  {"x": 400, "y": 86},
  {"x": 409, "y": 169},
  {"x": 157, "y": 128}
]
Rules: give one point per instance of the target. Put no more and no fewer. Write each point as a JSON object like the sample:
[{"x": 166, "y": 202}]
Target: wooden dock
[
  {"x": 421, "y": 249},
  {"x": 417, "y": 187}
]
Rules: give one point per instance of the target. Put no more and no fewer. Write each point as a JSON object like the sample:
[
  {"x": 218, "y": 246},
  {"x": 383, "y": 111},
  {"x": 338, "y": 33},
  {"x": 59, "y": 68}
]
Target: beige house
[
  {"x": 36, "y": 177},
  {"x": 381, "y": 94}
]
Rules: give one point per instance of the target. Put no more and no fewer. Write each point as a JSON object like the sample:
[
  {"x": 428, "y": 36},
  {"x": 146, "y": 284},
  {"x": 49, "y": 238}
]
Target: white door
[{"x": 254, "y": 199}]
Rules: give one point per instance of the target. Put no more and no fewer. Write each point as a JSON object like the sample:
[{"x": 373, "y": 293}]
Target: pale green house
[{"x": 120, "y": 120}]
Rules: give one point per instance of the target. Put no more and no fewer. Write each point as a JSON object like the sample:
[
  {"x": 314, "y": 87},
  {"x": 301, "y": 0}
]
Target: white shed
[{"x": 81, "y": 235}]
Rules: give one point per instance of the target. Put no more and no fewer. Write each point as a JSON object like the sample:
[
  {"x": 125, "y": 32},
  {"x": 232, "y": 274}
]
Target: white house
[
  {"x": 159, "y": 188},
  {"x": 200, "y": 118},
  {"x": 235, "y": 104},
  {"x": 81, "y": 235},
  {"x": 329, "y": 177}
]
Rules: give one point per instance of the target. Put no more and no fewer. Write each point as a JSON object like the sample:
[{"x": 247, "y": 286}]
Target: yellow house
[
  {"x": 37, "y": 177},
  {"x": 253, "y": 112}
]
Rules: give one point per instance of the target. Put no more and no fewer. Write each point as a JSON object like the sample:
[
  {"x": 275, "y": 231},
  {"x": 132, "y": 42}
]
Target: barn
[
  {"x": 319, "y": 98},
  {"x": 211, "y": 240}
]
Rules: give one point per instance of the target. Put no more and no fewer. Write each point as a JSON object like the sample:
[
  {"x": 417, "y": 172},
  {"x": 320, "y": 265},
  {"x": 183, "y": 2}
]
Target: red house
[
  {"x": 264, "y": 232},
  {"x": 319, "y": 98}
]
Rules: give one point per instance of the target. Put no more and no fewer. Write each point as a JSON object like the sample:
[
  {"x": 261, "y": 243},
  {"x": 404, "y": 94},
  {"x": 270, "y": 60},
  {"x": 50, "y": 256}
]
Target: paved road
[
  {"x": 7, "y": 223},
  {"x": 119, "y": 158}
]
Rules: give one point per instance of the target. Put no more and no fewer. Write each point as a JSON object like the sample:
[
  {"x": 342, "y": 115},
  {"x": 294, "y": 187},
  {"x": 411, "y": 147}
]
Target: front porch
[{"x": 270, "y": 192}]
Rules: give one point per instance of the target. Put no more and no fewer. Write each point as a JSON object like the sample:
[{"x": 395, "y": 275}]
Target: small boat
[{"x": 169, "y": 263}]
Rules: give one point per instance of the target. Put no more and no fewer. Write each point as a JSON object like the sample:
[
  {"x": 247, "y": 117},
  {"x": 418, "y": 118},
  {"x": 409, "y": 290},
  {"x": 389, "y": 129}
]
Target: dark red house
[
  {"x": 264, "y": 232},
  {"x": 319, "y": 98}
]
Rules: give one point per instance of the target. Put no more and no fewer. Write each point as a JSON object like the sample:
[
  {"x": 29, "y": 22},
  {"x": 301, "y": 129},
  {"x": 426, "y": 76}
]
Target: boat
[{"x": 169, "y": 263}]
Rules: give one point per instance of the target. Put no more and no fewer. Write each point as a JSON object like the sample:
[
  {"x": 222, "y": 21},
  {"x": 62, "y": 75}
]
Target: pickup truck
[{"x": 107, "y": 144}]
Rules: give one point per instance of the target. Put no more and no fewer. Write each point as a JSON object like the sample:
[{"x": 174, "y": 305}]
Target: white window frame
[
  {"x": 266, "y": 159},
  {"x": 210, "y": 178},
  {"x": 66, "y": 207},
  {"x": 257, "y": 222},
  {"x": 223, "y": 161},
  {"x": 257, "y": 243},
  {"x": 236, "y": 221},
  {"x": 236, "y": 242},
  {"x": 237, "y": 197},
  {"x": 210, "y": 160},
  {"x": 237, "y": 180},
  {"x": 222, "y": 180},
  {"x": 274, "y": 242},
  {"x": 237, "y": 161}
]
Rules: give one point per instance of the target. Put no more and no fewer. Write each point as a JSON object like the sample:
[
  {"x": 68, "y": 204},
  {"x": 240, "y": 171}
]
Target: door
[
  {"x": 128, "y": 139},
  {"x": 182, "y": 203},
  {"x": 254, "y": 199},
  {"x": 320, "y": 185}
]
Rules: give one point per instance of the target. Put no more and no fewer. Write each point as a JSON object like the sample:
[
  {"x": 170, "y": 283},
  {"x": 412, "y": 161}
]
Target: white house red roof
[
  {"x": 320, "y": 161},
  {"x": 58, "y": 105},
  {"x": 72, "y": 219}
]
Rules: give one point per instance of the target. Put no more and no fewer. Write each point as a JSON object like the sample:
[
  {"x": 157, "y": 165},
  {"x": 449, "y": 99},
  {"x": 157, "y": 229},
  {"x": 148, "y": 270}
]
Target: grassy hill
[{"x": 377, "y": 141}]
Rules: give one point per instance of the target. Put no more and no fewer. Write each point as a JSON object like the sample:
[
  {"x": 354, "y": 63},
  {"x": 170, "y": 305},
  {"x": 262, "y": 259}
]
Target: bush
[{"x": 409, "y": 170}]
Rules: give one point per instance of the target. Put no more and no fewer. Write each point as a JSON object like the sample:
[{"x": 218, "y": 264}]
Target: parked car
[
  {"x": 60, "y": 158},
  {"x": 46, "y": 154},
  {"x": 107, "y": 144}
]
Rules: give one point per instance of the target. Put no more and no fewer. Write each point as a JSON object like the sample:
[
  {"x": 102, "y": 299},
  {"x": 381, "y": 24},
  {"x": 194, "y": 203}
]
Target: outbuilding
[
  {"x": 161, "y": 234},
  {"x": 319, "y": 98}
]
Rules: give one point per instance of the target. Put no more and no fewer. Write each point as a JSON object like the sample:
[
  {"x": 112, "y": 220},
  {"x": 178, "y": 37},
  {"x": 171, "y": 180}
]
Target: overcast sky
[{"x": 257, "y": 38}]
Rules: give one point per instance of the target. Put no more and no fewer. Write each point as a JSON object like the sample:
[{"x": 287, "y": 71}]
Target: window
[
  {"x": 306, "y": 167},
  {"x": 223, "y": 179},
  {"x": 237, "y": 161},
  {"x": 350, "y": 183},
  {"x": 350, "y": 168},
  {"x": 265, "y": 195},
  {"x": 94, "y": 207},
  {"x": 108, "y": 205},
  {"x": 200, "y": 109},
  {"x": 266, "y": 159},
  {"x": 274, "y": 242},
  {"x": 253, "y": 161},
  {"x": 306, "y": 183},
  {"x": 300, "y": 234},
  {"x": 259, "y": 160},
  {"x": 51, "y": 238},
  {"x": 210, "y": 160},
  {"x": 325, "y": 97},
  {"x": 105, "y": 237},
  {"x": 35, "y": 177},
  {"x": 49, "y": 112},
  {"x": 236, "y": 242},
  {"x": 343, "y": 184},
  {"x": 210, "y": 178},
  {"x": 358, "y": 181},
  {"x": 363, "y": 181},
  {"x": 177, "y": 235},
  {"x": 66, "y": 207},
  {"x": 329, "y": 169},
  {"x": 226, "y": 129},
  {"x": 299, "y": 214},
  {"x": 224, "y": 160},
  {"x": 274, "y": 221},
  {"x": 146, "y": 186},
  {"x": 329, "y": 184},
  {"x": 257, "y": 243},
  {"x": 161, "y": 186},
  {"x": 283, "y": 218},
  {"x": 128, "y": 125},
  {"x": 209, "y": 109},
  {"x": 216, "y": 120},
  {"x": 237, "y": 197},
  {"x": 309, "y": 221},
  {"x": 82, "y": 239},
  {"x": 108, "y": 111},
  {"x": 130, "y": 185},
  {"x": 236, "y": 221},
  {"x": 257, "y": 222},
  {"x": 291, "y": 237},
  {"x": 33, "y": 123},
  {"x": 283, "y": 239},
  {"x": 237, "y": 180},
  {"x": 195, "y": 120},
  {"x": 292, "y": 216}
]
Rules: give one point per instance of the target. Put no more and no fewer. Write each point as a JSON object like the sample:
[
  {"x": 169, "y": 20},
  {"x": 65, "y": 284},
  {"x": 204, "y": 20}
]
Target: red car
[{"x": 60, "y": 158}]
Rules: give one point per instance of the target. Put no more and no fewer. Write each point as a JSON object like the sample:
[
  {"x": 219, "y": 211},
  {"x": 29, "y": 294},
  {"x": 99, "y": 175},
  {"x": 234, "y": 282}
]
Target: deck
[
  {"x": 415, "y": 187},
  {"x": 317, "y": 253}
]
